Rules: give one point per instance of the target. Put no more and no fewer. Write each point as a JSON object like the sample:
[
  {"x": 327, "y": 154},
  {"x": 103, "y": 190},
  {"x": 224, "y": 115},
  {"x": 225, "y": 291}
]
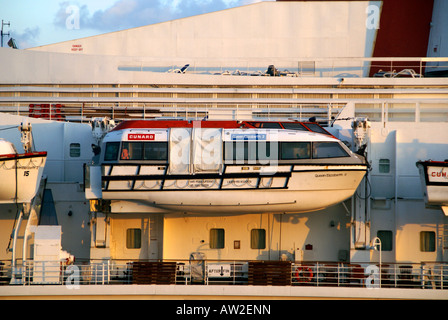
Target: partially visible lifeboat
[
  {"x": 434, "y": 180},
  {"x": 20, "y": 174},
  {"x": 225, "y": 167}
]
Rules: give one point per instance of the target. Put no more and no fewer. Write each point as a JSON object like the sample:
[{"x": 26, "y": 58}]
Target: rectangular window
[
  {"x": 250, "y": 151},
  {"x": 156, "y": 151},
  {"x": 132, "y": 151},
  {"x": 133, "y": 238},
  {"x": 75, "y": 150},
  {"x": 316, "y": 128},
  {"x": 258, "y": 239},
  {"x": 267, "y": 150},
  {"x": 295, "y": 150},
  {"x": 328, "y": 150},
  {"x": 144, "y": 151},
  {"x": 386, "y": 238},
  {"x": 271, "y": 125},
  {"x": 112, "y": 149},
  {"x": 294, "y": 126},
  {"x": 384, "y": 166},
  {"x": 217, "y": 238},
  {"x": 266, "y": 125},
  {"x": 427, "y": 241}
]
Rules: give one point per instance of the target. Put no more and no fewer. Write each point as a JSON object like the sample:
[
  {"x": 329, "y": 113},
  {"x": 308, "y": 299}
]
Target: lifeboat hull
[
  {"x": 294, "y": 190},
  {"x": 434, "y": 180},
  {"x": 20, "y": 175}
]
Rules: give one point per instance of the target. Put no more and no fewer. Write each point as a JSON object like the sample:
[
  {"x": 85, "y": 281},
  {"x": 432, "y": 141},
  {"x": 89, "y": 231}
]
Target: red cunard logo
[{"x": 141, "y": 136}]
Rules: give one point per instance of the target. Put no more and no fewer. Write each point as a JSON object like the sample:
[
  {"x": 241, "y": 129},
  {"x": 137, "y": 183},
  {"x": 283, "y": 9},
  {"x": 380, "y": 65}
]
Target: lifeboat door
[
  {"x": 179, "y": 151},
  {"x": 207, "y": 150},
  {"x": 197, "y": 150}
]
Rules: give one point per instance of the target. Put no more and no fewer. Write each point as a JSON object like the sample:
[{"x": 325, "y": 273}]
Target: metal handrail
[
  {"x": 426, "y": 275},
  {"x": 299, "y": 109}
]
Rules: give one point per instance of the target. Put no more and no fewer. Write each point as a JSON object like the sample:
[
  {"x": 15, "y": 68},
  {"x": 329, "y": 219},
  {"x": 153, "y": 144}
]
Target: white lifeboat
[
  {"x": 225, "y": 167},
  {"x": 20, "y": 174},
  {"x": 434, "y": 181}
]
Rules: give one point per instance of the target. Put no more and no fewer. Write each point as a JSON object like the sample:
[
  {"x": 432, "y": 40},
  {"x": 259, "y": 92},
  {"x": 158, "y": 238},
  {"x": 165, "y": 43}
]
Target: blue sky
[{"x": 39, "y": 22}]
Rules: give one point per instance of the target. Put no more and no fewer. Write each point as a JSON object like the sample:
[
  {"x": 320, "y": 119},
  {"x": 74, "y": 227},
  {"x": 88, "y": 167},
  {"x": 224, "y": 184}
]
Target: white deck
[{"x": 201, "y": 292}]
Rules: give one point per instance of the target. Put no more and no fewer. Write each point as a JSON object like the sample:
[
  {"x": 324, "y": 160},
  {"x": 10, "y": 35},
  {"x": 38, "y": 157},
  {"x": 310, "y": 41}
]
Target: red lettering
[
  {"x": 138, "y": 136},
  {"x": 438, "y": 174}
]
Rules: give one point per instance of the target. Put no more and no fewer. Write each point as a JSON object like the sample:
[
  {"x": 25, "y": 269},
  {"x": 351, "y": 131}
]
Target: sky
[{"x": 39, "y": 22}]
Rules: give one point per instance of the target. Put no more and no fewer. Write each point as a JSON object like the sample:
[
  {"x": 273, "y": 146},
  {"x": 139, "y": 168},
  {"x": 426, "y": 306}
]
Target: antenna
[{"x": 3, "y": 33}]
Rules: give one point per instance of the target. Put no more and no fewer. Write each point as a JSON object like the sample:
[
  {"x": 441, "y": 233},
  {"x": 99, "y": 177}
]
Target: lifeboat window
[
  {"x": 217, "y": 238},
  {"x": 252, "y": 151},
  {"x": 316, "y": 128},
  {"x": 294, "y": 126},
  {"x": 258, "y": 239},
  {"x": 266, "y": 125},
  {"x": 240, "y": 150},
  {"x": 295, "y": 150},
  {"x": 271, "y": 125},
  {"x": 144, "y": 151},
  {"x": 328, "y": 150},
  {"x": 112, "y": 149},
  {"x": 156, "y": 151},
  {"x": 132, "y": 151}
]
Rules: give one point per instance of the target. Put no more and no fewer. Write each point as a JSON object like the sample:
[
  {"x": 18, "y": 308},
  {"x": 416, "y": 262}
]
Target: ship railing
[
  {"x": 390, "y": 275},
  {"x": 324, "y": 109},
  {"x": 427, "y": 275},
  {"x": 389, "y": 67}
]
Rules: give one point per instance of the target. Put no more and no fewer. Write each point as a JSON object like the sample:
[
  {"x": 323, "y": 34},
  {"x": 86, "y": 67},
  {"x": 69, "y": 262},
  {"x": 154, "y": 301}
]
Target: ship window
[
  {"x": 427, "y": 241},
  {"x": 75, "y": 150},
  {"x": 133, "y": 238},
  {"x": 217, "y": 238},
  {"x": 384, "y": 165},
  {"x": 294, "y": 126},
  {"x": 295, "y": 150},
  {"x": 144, "y": 151},
  {"x": 328, "y": 150},
  {"x": 112, "y": 149},
  {"x": 386, "y": 238},
  {"x": 258, "y": 239}
]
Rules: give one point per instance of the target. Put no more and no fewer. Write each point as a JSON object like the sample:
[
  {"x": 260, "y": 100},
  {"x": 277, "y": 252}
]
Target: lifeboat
[
  {"x": 225, "y": 166},
  {"x": 434, "y": 181},
  {"x": 20, "y": 173}
]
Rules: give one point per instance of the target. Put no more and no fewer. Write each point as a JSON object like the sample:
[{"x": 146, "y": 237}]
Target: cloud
[
  {"x": 26, "y": 39},
  {"x": 125, "y": 14}
]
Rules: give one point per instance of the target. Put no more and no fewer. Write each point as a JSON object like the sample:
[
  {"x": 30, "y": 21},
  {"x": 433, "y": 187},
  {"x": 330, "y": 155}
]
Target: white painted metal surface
[{"x": 266, "y": 30}]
